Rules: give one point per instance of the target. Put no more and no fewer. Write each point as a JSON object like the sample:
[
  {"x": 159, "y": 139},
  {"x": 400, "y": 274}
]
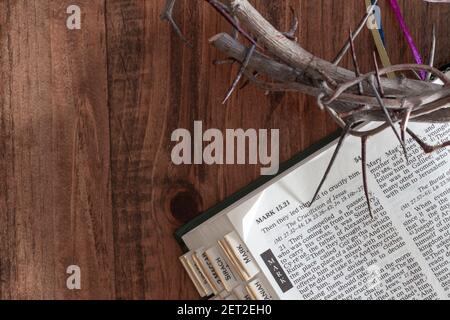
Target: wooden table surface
[{"x": 85, "y": 124}]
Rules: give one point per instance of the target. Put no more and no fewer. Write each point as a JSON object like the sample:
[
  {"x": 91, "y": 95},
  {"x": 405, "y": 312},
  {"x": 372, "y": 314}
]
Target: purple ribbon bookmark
[{"x": 409, "y": 38}]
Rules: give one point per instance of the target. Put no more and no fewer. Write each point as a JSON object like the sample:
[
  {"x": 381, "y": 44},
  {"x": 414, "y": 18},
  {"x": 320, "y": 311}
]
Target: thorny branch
[{"x": 349, "y": 97}]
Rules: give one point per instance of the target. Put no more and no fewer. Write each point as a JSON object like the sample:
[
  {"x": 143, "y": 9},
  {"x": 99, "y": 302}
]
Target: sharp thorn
[
  {"x": 232, "y": 21},
  {"x": 364, "y": 173},
  {"x": 426, "y": 147},
  {"x": 332, "y": 160},
  {"x": 167, "y": 15},
  {"x": 386, "y": 112},
  {"x": 360, "y": 27},
  {"x": 241, "y": 72},
  {"x": 432, "y": 52},
  {"x": 355, "y": 62},
  {"x": 294, "y": 27}
]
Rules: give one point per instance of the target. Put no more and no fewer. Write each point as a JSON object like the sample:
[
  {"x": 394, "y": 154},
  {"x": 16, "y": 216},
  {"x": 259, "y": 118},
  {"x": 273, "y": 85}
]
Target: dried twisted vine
[{"x": 349, "y": 97}]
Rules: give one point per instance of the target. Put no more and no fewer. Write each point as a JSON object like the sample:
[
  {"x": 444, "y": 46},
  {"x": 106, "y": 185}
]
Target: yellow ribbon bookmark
[{"x": 382, "y": 52}]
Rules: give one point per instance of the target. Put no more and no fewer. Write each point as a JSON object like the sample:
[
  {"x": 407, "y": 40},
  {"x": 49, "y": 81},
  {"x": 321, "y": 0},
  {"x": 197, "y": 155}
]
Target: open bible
[{"x": 268, "y": 243}]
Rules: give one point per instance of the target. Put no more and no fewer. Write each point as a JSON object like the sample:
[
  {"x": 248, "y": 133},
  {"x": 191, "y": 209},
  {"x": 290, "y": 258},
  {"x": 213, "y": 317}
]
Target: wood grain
[
  {"x": 85, "y": 123},
  {"x": 55, "y": 207}
]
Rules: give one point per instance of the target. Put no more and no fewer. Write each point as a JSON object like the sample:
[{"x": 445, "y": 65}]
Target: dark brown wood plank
[
  {"x": 146, "y": 263},
  {"x": 55, "y": 206}
]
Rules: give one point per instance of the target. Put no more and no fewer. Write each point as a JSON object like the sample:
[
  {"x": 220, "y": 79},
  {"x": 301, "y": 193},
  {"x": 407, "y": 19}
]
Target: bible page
[{"x": 334, "y": 249}]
